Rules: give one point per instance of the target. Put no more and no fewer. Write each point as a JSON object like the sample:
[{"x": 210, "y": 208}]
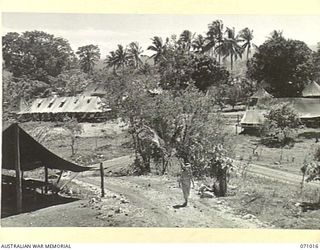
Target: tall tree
[
  {"x": 230, "y": 47},
  {"x": 285, "y": 65},
  {"x": 215, "y": 36},
  {"x": 88, "y": 55},
  {"x": 36, "y": 54},
  {"x": 110, "y": 61},
  {"x": 246, "y": 36},
  {"x": 181, "y": 70},
  {"x": 118, "y": 58},
  {"x": 198, "y": 44},
  {"x": 158, "y": 47},
  {"x": 134, "y": 53},
  {"x": 316, "y": 61},
  {"x": 185, "y": 40},
  {"x": 122, "y": 57}
]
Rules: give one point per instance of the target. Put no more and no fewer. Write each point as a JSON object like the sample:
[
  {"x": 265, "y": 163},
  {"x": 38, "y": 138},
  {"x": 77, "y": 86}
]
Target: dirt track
[
  {"x": 145, "y": 201},
  {"x": 152, "y": 198}
]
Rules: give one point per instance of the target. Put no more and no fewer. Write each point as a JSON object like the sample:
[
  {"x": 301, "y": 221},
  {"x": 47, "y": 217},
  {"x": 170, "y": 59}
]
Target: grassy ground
[
  {"x": 281, "y": 204},
  {"x": 248, "y": 147},
  {"x": 97, "y": 142}
]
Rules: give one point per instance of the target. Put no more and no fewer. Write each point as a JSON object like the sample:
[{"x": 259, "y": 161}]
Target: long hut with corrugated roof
[{"x": 83, "y": 108}]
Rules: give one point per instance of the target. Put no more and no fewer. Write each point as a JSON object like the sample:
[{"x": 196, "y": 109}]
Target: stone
[
  {"x": 207, "y": 194},
  {"x": 124, "y": 201},
  {"x": 248, "y": 216}
]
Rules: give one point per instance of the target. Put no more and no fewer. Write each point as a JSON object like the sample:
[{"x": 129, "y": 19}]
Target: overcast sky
[{"x": 108, "y": 30}]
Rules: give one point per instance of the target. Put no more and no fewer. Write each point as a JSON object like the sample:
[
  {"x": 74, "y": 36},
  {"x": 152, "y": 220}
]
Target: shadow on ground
[
  {"x": 307, "y": 206},
  {"x": 32, "y": 199}
]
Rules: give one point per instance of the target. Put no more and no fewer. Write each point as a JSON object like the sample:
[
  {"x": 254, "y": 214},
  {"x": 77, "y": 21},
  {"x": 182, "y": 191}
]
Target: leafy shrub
[{"x": 280, "y": 124}]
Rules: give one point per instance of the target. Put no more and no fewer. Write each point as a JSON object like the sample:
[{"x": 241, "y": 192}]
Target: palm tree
[
  {"x": 88, "y": 56},
  {"x": 185, "y": 40},
  {"x": 158, "y": 47},
  {"x": 198, "y": 44},
  {"x": 118, "y": 58},
  {"x": 111, "y": 60},
  {"x": 134, "y": 53},
  {"x": 246, "y": 36},
  {"x": 275, "y": 34},
  {"x": 214, "y": 36},
  {"x": 230, "y": 46},
  {"x": 122, "y": 57}
]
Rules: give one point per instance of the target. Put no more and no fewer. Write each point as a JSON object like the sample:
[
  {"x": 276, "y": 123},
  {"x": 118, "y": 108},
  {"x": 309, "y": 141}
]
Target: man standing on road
[{"x": 185, "y": 181}]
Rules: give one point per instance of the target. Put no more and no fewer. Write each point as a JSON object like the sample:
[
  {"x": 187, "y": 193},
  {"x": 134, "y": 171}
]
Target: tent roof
[
  {"x": 32, "y": 153},
  {"x": 253, "y": 117},
  {"x": 96, "y": 89},
  {"x": 306, "y": 107},
  {"x": 72, "y": 104},
  {"x": 312, "y": 89},
  {"x": 261, "y": 93}
]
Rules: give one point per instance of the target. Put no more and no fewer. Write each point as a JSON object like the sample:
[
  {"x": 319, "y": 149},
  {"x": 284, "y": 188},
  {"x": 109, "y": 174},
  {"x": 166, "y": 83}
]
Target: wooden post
[
  {"x": 237, "y": 124},
  {"x": 102, "y": 179},
  {"x": 46, "y": 179},
  {"x": 59, "y": 178},
  {"x": 18, "y": 169}
]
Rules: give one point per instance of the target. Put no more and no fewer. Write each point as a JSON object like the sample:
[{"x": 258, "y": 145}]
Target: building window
[
  {"x": 61, "y": 104},
  {"x": 50, "y": 104},
  {"x": 88, "y": 101}
]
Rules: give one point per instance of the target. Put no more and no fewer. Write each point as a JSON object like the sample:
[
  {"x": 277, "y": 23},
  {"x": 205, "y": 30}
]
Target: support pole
[
  {"x": 46, "y": 180},
  {"x": 59, "y": 178},
  {"x": 18, "y": 169},
  {"x": 102, "y": 179}
]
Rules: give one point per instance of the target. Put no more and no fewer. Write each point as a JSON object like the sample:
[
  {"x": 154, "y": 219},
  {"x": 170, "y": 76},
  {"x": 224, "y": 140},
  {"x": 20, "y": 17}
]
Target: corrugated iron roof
[{"x": 73, "y": 104}]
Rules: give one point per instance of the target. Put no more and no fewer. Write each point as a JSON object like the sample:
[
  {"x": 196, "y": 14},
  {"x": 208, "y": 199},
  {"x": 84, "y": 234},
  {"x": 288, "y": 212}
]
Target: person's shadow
[{"x": 180, "y": 206}]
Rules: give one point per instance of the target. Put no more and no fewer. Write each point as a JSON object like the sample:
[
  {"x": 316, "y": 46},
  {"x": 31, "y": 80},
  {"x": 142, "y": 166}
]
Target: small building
[
  {"x": 252, "y": 119},
  {"x": 83, "y": 108},
  {"x": 261, "y": 95}
]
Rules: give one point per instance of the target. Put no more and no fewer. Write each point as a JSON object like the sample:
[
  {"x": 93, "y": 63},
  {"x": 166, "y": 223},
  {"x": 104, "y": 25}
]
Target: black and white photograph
[{"x": 160, "y": 120}]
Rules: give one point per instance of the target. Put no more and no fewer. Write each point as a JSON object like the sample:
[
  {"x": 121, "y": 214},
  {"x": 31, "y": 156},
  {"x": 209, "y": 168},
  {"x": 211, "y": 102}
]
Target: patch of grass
[
  {"x": 291, "y": 159},
  {"x": 277, "y": 203},
  {"x": 310, "y": 134}
]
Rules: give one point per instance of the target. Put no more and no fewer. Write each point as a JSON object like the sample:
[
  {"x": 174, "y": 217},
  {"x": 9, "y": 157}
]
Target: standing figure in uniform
[{"x": 185, "y": 181}]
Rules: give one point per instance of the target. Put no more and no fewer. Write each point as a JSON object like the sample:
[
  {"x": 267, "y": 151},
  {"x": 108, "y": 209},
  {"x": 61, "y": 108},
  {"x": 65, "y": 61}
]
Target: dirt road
[
  {"x": 150, "y": 200},
  {"x": 279, "y": 175},
  {"x": 145, "y": 201}
]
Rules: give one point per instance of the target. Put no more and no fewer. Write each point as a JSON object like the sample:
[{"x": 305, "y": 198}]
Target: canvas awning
[{"x": 32, "y": 153}]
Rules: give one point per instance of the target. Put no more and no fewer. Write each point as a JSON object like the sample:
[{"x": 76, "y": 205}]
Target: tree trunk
[
  {"x": 220, "y": 189},
  {"x": 231, "y": 62}
]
